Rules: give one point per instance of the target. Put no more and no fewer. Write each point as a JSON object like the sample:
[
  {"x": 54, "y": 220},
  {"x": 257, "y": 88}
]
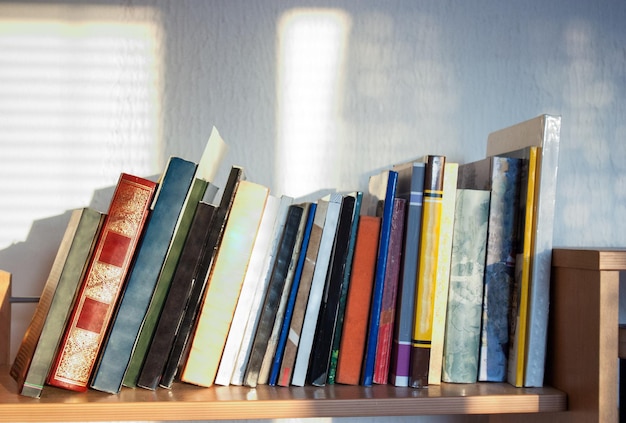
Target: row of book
[{"x": 410, "y": 282}]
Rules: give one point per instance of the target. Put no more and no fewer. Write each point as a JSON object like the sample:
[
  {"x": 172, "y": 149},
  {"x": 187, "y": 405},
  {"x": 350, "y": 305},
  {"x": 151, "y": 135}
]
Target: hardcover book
[
  {"x": 329, "y": 307},
  {"x": 293, "y": 294},
  {"x": 224, "y": 284},
  {"x": 272, "y": 343},
  {"x": 248, "y": 289},
  {"x": 302, "y": 297},
  {"x": 411, "y": 188},
  {"x": 465, "y": 294},
  {"x": 322, "y": 268},
  {"x": 544, "y": 132},
  {"x": 126, "y": 322},
  {"x": 273, "y": 295},
  {"x": 446, "y": 228},
  {"x": 200, "y": 276},
  {"x": 427, "y": 271},
  {"x": 382, "y": 190},
  {"x": 388, "y": 306},
  {"x": 500, "y": 175},
  {"x": 36, "y": 352},
  {"x": 102, "y": 283},
  {"x": 174, "y": 306},
  {"x": 259, "y": 295},
  {"x": 354, "y": 334}
]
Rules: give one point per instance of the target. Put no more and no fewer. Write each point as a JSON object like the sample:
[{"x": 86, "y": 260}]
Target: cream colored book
[{"x": 224, "y": 284}]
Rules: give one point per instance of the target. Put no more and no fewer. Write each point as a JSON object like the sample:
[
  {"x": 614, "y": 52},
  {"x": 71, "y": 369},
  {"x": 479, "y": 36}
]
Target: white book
[
  {"x": 251, "y": 281},
  {"x": 543, "y": 131},
  {"x": 317, "y": 289},
  {"x": 241, "y": 362}
]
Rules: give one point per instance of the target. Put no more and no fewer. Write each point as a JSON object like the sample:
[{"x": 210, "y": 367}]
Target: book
[
  {"x": 272, "y": 343},
  {"x": 322, "y": 267},
  {"x": 411, "y": 188},
  {"x": 388, "y": 306},
  {"x": 329, "y": 306},
  {"x": 177, "y": 297},
  {"x": 274, "y": 293},
  {"x": 332, "y": 368},
  {"x": 259, "y": 295},
  {"x": 102, "y": 284},
  {"x": 465, "y": 293},
  {"x": 501, "y": 176},
  {"x": 201, "y": 273},
  {"x": 382, "y": 189},
  {"x": 302, "y": 297},
  {"x": 293, "y": 294},
  {"x": 427, "y": 271},
  {"x": 248, "y": 289},
  {"x": 523, "y": 267},
  {"x": 200, "y": 189},
  {"x": 36, "y": 351},
  {"x": 354, "y": 334},
  {"x": 544, "y": 132},
  {"x": 126, "y": 321},
  {"x": 224, "y": 284},
  {"x": 446, "y": 228}
]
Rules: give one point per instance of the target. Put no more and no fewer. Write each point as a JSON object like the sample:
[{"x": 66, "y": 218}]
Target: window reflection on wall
[
  {"x": 79, "y": 103},
  {"x": 311, "y": 49}
]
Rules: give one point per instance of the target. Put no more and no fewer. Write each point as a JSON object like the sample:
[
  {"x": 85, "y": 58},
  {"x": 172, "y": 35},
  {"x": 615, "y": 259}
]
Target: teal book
[
  {"x": 502, "y": 176},
  {"x": 137, "y": 292},
  {"x": 465, "y": 292}
]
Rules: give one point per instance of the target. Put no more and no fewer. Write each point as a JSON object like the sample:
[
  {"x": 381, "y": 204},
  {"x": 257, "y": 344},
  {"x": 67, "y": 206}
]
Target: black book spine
[{"x": 325, "y": 331}]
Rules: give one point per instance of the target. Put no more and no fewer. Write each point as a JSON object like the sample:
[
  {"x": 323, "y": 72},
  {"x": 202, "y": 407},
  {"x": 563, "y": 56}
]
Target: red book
[
  {"x": 101, "y": 287},
  {"x": 388, "y": 310},
  {"x": 352, "y": 346}
]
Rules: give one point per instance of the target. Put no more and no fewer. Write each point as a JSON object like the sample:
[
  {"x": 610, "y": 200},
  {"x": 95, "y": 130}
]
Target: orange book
[
  {"x": 352, "y": 346},
  {"x": 102, "y": 284}
]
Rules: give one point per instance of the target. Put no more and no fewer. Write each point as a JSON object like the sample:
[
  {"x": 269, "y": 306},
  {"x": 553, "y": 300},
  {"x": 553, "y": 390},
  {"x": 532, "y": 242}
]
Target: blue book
[
  {"x": 411, "y": 188},
  {"x": 284, "y": 331},
  {"x": 388, "y": 180},
  {"x": 118, "y": 347}
]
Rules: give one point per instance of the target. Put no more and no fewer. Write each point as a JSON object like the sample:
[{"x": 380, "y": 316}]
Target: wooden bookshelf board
[{"x": 189, "y": 402}]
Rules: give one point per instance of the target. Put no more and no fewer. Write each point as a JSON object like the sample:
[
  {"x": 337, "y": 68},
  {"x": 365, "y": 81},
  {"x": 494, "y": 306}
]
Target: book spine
[
  {"x": 299, "y": 309},
  {"x": 248, "y": 289},
  {"x": 327, "y": 321},
  {"x": 83, "y": 241},
  {"x": 388, "y": 307},
  {"x": 162, "y": 287},
  {"x": 103, "y": 282},
  {"x": 446, "y": 229},
  {"x": 127, "y": 320},
  {"x": 411, "y": 188},
  {"x": 379, "y": 280},
  {"x": 293, "y": 294},
  {"x": 273, "y": 295},
  {"x": 467, "y": 268},
  {"x": 201, "y": 274},
  {"x": 332, "y": 370},
  {"x": 174, "y": 306},
  {"x": 354, "y": 333},
  {"x": 427, "y": 273},
  {"x": 320, "y": 273},
  {"x": 224, "y": 284}
]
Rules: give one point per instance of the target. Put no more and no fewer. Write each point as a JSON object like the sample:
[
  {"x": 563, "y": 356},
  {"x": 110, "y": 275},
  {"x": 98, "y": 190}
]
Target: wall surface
[{"x": 318, "y": 94}]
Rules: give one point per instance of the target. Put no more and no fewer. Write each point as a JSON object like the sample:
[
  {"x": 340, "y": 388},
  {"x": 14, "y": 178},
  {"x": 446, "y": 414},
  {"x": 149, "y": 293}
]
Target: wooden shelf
[{"x": 189, "y": 402}]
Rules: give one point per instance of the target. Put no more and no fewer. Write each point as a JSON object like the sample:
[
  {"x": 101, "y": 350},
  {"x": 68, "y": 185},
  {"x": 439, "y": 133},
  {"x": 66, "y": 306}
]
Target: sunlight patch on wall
[
  {"x": 79, "y": 103},
  {"x": 312, "y": 47}
]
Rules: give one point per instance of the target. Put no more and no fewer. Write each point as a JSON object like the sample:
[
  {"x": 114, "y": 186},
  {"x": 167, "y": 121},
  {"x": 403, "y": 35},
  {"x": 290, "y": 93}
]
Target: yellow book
[
  {"x": 446, "y": 228},
  {"x": 427, "y": 271},
  {"x": 517, "y": 351},
  {"x": 224, "y": 284}
]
